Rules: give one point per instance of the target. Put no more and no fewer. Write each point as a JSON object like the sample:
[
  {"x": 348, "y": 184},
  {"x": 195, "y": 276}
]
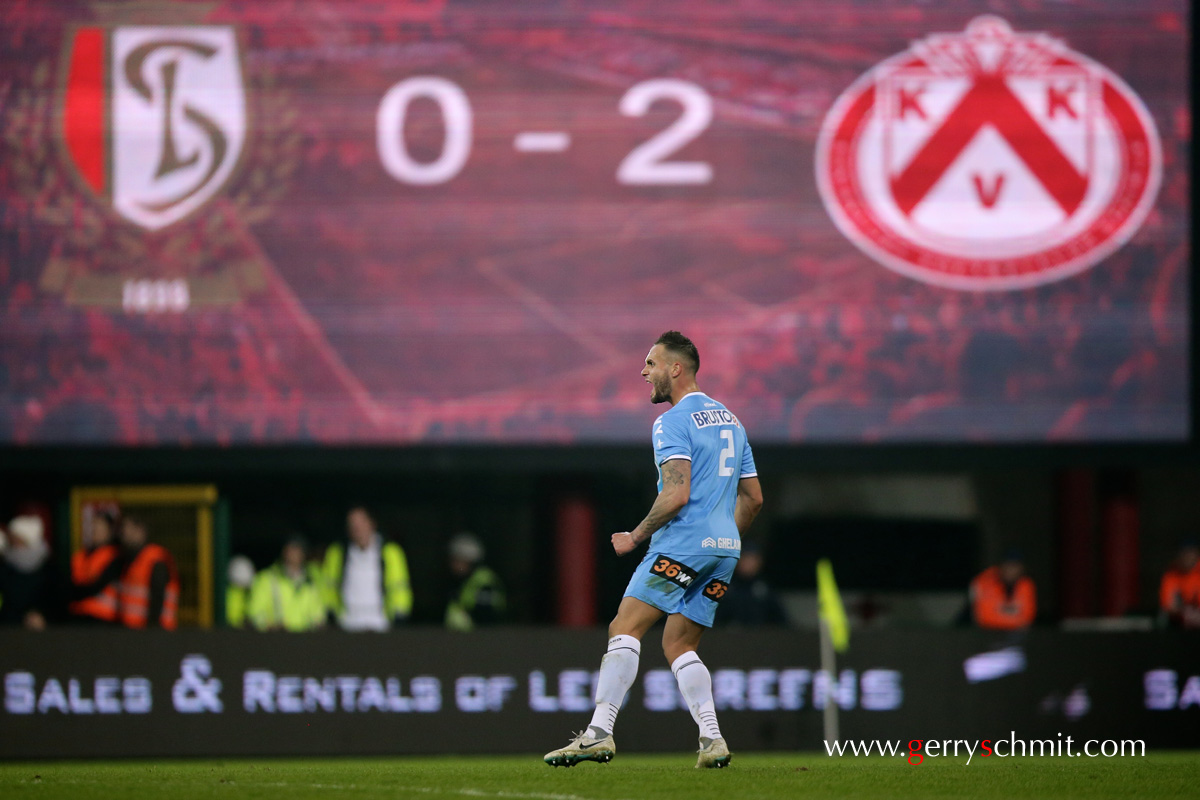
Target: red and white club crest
[
  {"x": 988, "y": 160},
  {"x": 153, "y": 117}
]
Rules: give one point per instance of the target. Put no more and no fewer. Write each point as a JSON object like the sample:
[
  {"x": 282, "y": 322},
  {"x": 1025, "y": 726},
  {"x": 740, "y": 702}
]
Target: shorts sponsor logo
[
  {"x": 672, "y": 570},
  {"x": 716, "y": 590},
  {"x": 989, "y": 159}
]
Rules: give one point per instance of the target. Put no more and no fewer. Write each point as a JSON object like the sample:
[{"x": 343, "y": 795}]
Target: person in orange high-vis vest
[
  {"x": 94, "y": 573},
  {"x": 148, "y": 591},
  {"x": 1003, "y": 597},
  {"x": 1179, "y": 592}
]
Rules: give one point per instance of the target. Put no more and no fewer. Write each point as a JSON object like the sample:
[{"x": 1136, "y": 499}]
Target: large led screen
[{"x": 430, "y": 221}]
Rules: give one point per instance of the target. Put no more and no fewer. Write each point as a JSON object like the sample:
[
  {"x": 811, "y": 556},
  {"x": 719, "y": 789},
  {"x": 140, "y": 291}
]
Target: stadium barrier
[{"x": 95, "y": 693}]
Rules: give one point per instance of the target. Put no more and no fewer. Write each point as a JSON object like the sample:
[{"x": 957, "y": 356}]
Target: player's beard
[{"x": 662, "y": 391}]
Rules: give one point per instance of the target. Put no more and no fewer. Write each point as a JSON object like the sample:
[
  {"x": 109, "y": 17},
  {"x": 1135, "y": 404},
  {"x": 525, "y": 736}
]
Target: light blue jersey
[{"x": 706, "y": 433}]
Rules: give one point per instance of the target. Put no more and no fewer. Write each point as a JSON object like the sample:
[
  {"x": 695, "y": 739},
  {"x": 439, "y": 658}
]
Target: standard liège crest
[
  {"x": 149, "y": 157},
  {"x": 988, "y": 159},
  {"x": 154, "y": 117}
]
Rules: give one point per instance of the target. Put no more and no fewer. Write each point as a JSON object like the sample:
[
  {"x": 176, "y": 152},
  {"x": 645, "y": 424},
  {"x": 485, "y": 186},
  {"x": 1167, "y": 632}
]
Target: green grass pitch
[{"x": 757, "y": 776}]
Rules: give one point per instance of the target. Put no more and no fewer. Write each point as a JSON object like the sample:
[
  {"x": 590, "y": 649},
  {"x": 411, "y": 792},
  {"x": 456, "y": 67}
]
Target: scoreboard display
[{"x": 259, "y": 222}]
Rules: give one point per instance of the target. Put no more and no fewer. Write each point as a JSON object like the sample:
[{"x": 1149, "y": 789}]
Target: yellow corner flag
[{"x": 829, "y": 606}]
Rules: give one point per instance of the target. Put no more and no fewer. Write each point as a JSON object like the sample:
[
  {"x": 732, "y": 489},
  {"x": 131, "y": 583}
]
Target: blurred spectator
[
  {"x": 478, "y": 594},
  {"x": 1003, "y": 597},
  {"x": 1179, "y": 592},
  {"x": 287, "y": 595},
  {"x": 24, "y": 573},
  {"x": 750, "y": 600},
  {"x": 366, "y": 579},
  {"x": 148, "y": 591},
  {"x": 237, "y": 591},
  {"x": 95, "y": 570}
]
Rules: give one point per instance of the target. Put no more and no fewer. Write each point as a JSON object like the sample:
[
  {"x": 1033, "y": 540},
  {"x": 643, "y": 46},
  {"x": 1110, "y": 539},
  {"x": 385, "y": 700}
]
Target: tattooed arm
[{"x": 677, "y": 488}]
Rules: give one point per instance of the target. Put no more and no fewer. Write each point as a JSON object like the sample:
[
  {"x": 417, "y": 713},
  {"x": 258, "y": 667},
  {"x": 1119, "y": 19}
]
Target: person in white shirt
[{"x": 367, "y": 586}]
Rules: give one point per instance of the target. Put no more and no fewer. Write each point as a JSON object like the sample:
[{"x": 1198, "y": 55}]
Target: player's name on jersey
[{"x": 719, "y": 416}]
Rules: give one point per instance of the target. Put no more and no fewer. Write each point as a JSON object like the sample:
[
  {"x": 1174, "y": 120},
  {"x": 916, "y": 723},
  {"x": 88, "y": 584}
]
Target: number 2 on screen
[
  {"x": 646, "y": 163},
  {"x": 724, "y": 468}
]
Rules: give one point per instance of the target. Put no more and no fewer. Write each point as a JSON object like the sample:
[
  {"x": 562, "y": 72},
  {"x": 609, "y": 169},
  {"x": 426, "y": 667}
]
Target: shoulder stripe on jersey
[
  {"x": 750, "y": 475},
  {"x": 675, "y": 458}
]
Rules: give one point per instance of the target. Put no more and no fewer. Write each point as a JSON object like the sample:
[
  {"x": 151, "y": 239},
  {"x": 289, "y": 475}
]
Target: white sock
[
  {"x": 695, "y": 683},
  {"x": 617, "y": 673}
]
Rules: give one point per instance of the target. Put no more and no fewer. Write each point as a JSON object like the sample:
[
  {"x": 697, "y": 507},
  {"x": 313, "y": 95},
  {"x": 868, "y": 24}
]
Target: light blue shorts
[{"x": 688, "y": 585}]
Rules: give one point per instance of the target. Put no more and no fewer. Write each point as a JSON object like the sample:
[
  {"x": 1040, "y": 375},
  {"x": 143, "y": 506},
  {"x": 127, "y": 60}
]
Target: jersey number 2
[{"x": 724, "y": 468}]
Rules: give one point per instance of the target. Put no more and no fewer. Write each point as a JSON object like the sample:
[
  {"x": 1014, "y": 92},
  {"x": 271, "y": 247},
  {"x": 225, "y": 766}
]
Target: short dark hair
[
  {"x": 295, "y": 540},
  {"x": 681, "y": 346}
]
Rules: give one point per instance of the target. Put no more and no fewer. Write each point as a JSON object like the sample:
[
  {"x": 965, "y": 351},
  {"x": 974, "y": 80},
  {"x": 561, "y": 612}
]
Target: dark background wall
[{"x": 882, "y": 510}]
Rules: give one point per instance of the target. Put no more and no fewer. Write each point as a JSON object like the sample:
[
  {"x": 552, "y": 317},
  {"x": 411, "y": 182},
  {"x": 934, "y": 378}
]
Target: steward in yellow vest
[
  {"x": 367, "y": 587},
  {"x": 237, "y": 592},
  {"x": 287, "y": 595},
  {"x": 478, "y": 595}
]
